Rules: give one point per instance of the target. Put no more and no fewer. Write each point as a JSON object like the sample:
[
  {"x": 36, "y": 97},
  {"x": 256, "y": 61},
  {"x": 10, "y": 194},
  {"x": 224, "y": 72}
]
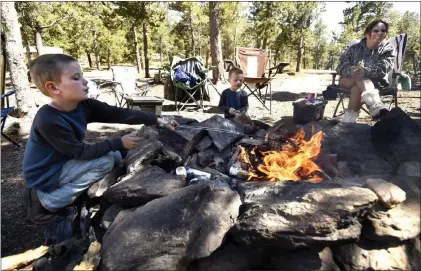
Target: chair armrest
[
  {"x": 8, "y": 94},
  {"x": 334, "y": 74}
]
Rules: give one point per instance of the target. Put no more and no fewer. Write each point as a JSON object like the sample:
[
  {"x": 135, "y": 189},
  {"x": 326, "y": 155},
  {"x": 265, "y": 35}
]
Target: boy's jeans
[{"x": 75, "y": 178}]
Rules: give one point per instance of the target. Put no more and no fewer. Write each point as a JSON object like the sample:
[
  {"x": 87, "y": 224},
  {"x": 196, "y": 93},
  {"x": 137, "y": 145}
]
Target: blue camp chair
[{"x": 4, "y": 113}]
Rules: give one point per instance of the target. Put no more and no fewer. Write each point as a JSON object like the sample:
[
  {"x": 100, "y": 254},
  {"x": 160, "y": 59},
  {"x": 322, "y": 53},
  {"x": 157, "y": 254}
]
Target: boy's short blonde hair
[
  {"x": 236, "y": 71},
  {"x": 48, "y": 67}
]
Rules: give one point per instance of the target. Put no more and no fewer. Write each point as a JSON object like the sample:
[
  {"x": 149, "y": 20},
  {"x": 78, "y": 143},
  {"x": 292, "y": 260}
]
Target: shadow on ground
[{"x": 285, "y": 96}]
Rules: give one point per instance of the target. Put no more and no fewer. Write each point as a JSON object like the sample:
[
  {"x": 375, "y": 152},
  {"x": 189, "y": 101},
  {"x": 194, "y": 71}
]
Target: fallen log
[
  {"x": 91, "y": 258},
  {"x": 23, "y": 259}
]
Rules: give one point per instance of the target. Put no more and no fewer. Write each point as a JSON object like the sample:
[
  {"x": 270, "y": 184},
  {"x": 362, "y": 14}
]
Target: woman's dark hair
[{"x": 370, "y": 27}]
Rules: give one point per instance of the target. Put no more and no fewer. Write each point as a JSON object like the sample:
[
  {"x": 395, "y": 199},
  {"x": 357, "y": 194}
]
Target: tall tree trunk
[
  {"x": 299, "y": 54},
  {"x": 215, "y": 42},
  {"x": 109, "y": 58},
  {"x": 414, "y": 64},
  {"x": 145, "y": 50},
  {"x": 15, "y": 58},
  {"x": 28, "y": 49},
  {"x": 38, "y": 40},
  {"x": 268, "y": 15},
  {"x": 235, "y": 31},
  {"x": 136, "y": 45},
  {"x": 96, "y": 51},
  {"x": 193, "y": 45},
  {"x": 160, "y": 51},
  {"x": 89, "y": 59}
]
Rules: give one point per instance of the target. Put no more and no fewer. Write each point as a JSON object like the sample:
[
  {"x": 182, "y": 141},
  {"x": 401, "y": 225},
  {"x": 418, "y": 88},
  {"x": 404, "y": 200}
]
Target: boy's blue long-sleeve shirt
[{"x": 57, "y": 137}]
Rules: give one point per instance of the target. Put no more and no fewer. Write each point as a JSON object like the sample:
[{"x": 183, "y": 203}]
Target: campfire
[{"x": 294, "y": 160}]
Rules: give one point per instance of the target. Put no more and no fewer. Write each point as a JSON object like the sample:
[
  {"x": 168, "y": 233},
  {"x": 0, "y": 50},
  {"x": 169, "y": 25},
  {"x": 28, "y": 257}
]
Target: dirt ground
[{"x": 17, "y": 235}]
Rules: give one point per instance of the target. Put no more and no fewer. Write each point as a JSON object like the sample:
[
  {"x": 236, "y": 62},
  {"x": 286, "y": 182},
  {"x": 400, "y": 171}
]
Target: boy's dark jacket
[
  {"x": 57, "y": 137},
  {"x": 223, "y": 102}
]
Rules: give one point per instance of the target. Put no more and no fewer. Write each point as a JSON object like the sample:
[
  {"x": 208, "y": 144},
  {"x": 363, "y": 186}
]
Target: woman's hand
[{"x": 357, "y": 74}]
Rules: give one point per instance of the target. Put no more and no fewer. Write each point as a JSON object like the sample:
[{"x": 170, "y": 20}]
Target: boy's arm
[
  {"x": 63, "y": 139},
  {"x": 244, "y": 102},
  {"x": 102, "y": 112},
  {"x": 223, "y": 103}
]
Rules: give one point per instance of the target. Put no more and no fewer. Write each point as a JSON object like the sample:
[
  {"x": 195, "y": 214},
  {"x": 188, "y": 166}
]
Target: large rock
[
  {"x": 372, "y": 255},
  {"x": 289, "y": 215},
  {"x": 140, "y": 187},
  {"x": 204, "y": 143},
  {"x": 403, "y": 221},
  {"x": 142, "y": 156},
  {"x": 410, "y": 168},
  {"x": 397, "y": 137},
  {"x": 109, "y": 216},
  {"x": 303, "y": 259},
  {"x": 230, "y": 256},
  {"x": 351, "y": 142},
  {"x": 221, "y": 140},
  {"x": 170, "y": 232}
]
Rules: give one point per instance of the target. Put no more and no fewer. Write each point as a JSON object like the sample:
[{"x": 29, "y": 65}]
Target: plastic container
[{"x": 306, "y": 111}]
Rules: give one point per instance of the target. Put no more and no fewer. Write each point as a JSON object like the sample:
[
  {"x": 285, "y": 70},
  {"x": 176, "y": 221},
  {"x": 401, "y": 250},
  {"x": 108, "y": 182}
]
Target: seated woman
[{"x": 364, "y": 67}]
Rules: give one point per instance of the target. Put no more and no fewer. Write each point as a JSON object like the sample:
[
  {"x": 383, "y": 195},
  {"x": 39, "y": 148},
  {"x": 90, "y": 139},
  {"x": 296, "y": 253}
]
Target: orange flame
[{"x": 289, "y": 163}]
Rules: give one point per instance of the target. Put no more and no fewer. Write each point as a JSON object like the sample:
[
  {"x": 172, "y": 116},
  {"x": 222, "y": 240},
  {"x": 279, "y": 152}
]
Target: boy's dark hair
[
  {"x": 236, "y": 71},
  {"x": 370, "y": 27},
  {"x": 48, "y": 67}
]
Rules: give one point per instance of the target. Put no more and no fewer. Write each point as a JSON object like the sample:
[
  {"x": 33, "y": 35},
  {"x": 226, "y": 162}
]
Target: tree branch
[{"x": 56, "y": 21}]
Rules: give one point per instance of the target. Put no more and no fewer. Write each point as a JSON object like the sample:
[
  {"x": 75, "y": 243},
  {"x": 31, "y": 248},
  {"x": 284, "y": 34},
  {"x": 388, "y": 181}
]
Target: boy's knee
[{"x": 106, "y": 162}]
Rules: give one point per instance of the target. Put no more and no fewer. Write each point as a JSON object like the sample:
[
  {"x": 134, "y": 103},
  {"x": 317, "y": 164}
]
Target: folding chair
[
  {"x": 253, "y": 62},
  {"x": 4, "y": 113},
  {"x": 399, "y": 44},
  {"x": 184, "y": 93},
  {"x": 124, "y": 84},
  {"x": 93, "y": 89}
]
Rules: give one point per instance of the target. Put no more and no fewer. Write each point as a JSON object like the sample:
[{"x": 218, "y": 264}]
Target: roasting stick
[{"x": 209, "y": 129}]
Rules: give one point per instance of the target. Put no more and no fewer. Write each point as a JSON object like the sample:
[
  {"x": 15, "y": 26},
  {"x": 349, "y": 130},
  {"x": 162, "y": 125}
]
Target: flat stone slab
[
  {"x": 138, "y": 188},
  {"x": 288, "y": 215}
]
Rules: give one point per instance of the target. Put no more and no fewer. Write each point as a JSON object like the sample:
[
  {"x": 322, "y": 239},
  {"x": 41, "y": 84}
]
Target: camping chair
[
  {"x": 399, "y": 43},
  {"x": 185, "y": 93},
  {"x": 124, "y": 84},
  {"x": 4, "y": 113},
  {"x": 253, "y": 62}
]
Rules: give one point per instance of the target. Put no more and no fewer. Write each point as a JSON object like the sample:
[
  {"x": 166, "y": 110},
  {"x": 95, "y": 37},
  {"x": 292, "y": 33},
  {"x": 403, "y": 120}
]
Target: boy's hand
[
  {"x": 169, "y": 124},
  {"x": 130, "y": 141},
  {"x": 232, "y": 111}
]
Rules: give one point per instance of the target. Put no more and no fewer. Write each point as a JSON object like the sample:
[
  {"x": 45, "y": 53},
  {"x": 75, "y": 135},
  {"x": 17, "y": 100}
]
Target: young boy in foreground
[
  {"x": 58, "y": 166},
  {"x": 233, "y": 101}
]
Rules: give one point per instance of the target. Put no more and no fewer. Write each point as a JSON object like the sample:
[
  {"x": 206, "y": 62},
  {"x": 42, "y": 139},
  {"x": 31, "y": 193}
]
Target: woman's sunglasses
[{"x": 379, "y": 30}]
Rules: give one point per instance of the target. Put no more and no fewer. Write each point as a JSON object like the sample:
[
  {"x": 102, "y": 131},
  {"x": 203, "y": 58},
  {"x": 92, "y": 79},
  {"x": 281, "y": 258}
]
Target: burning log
[
  {"x": 23, "y": 259},
  {"x": 285, "y": 161}
]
